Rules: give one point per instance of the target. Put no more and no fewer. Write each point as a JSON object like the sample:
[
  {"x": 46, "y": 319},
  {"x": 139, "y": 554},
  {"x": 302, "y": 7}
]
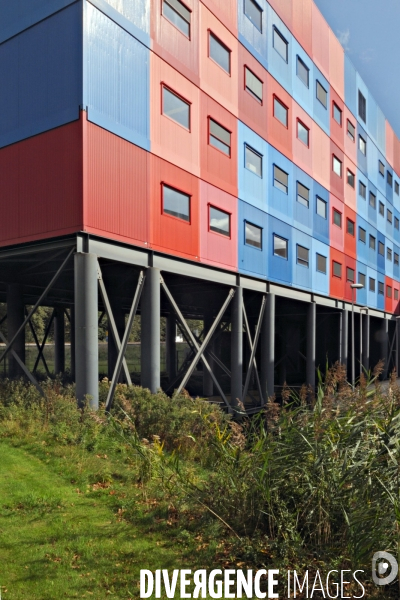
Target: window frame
[
  {"x": 301, "y": 61},
  {"x": 249, "y": 90},
  {"x": 334, "y": 213},
  {"x": 353, "y": 225},
  {"x": 335, "y": 158},
  {"x": 372, "y": 239},
  {"x": 364, "y": 144},
  {"x": 249, "y": 18},
  {"x": 325, "y": 205},
  {"x": 225, "y": 47},
  {"x": 182, "y": 99},
  {"x": 306, "y": 202},
  {"x": 302, "y": 261},
  {"x": 389, "y": 216},
  {"x": 319, "y": 85},
  {"x": 286, "y": 108},
  {"x": 352, "y": 176},
  {"x": 351, "y": 135},
  {"x": 362, "y": 106},
  {"x": 381, "y": 208},
  {"x": 361, "y": 185},
  {"x": 338, "y": 109},
  {"x": 360, "y": 237},
  {"x": 219, "y": 232},
  {"x": 260, "y": 247},
  {"x": 362, "y": 278},
  {"x": 397, "y": 188},
  {"x": 275, "y": 179},
  {"x": 251, "y": 149},
  {"x": 318, "y": 255},
  {"x": 381, "y": 288},
  {"x": 212, "y": 120},
  {"x": 347, "y": 275},
  {"x": 275, "y": 30},
  {"x": 169, "y": 3},
  {"x": 373, "y": 203},
  {"x": 372, "y": 284},
  {"x": 335, "y": 263},
  {"x": 170, "y": 214},
  {"x": 381, "y": 246},
  {"x": 389, "y": 178},
  {"x": 275, "y": 235},
  {"x": 381, "y": 167},
  {"x": 307, "y": 129}
]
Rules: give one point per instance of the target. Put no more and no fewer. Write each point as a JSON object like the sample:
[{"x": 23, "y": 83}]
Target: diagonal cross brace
[
  {"x": 38, "y": 347},
  {"x": 253, "y": 349},
  {"x": 24, "y": 368},
  {"x": 46, "y": 334}
]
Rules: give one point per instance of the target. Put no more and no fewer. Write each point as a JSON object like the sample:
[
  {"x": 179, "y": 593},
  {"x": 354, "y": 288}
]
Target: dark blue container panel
[
  {"x": 279, "y": 269},
  {"x": 134, "y": 17},
  {"x": 280, "y": 204},
  {"x": 252, "y": 260},
  {"x": 303, "y": 215},
  {"x": 381, "y": 297},
  {"x": 350, "y": 85},
  {"x": 252, "y": 188},
  {"x": 302, "y": 274},
  {"x": 320, "y": 281},
  {"x": 362, "y": 295},
  {"x": 303, "y": 95},
  {"x": 251, "y": 37},
  {"x": 320, "y": 113},
  {"x": 116, "y": 79},
  {"x": 320, "y": 224},
  {"x": 362, "y": 247},
  {"x": 41, "y": 77},
  {"x": 279, "y": 68},
  {"x": 18, "y": 15},
  {"x": 381, "y": 259},
  {"x": 372, "y": 296},
  {"x": 372, "y": 212},
  {"x": 362, "y": 162},
  {"x": 362, "y": 203}
]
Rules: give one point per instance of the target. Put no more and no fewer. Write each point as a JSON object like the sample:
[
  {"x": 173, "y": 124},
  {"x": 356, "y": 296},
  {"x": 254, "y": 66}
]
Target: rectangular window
[
  {"x": 303, "y": 256},
  {"x": 280, "y": 246},
  {"x": 322, "y": 94},
  {"x": 351, "y": 131},
  {"x": 350, "y": 275},
  {"x": 381, "y": 209},
  {"x": 178, "y": 14},
  {"x": 219, "y": 53},
  {"x": 389, "y": 253},
  {"x": 303, "y": 194},
  {"x": 303, "y": 72},
  {"x": 372, "y": 200},
  {"x": 337, "y": 218},
  {"x": 254, "y": 13},
  {"x": 321, "y": 263},
  {"x": 396, "y": 294},
  {"x": 380, "y": 288},
  {"x": 337, "y": 114},
  {"x": 362, "y": 145},
  {"x": 220, "y": 221},
  {"x": 381, "y": 169},
  {"x": 303, "y": 133},
  {"x": 280, "y": 112},
  {"x": 362, "y": 190},
  {"x": 396, "y": 223},
  {"x": 362, "y": 107},
  {"x": 175, "y": 108},
  {"x": 176, "y": 203},
  {"x": 372, "y": 242},
  {"x": 219, "y": 137},
  {"x": 280, "y": 44},
  {"x": 389, "y": 177},
  {"x": 253, "y": 85},
  {"x": 337, "y": 166},
  {"x": 252, "y": 160},
  {"x": 362, "y": 234},
  {"x": 350, "y": 227},
  {"x": 388, "y": 291},
  {"x": 337, "y": 269},
  {"x": 350, "y": 178},
  {"x": 389, "y": 216},
  {"x": 253, "y": 235},
  {"x": 321, "y": 207},
  {"x": 371, "y": 284},
  {"x": 381, "y": 248},
  {"x": 396, "y": 188},
  {"x": 361, "y": 279},
  {"x": 396, "y": 259},
  {"x": 281, "y": 179}
]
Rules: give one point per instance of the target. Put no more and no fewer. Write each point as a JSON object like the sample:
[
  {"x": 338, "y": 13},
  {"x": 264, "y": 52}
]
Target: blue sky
[{"x": 369, "y": 30}]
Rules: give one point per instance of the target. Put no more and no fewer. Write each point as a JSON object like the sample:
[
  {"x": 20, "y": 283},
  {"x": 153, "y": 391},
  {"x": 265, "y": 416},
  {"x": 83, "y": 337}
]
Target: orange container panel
[
  {"x": 279, "y": 136},
  {"x": 336, "y": 64},
  {"x": 115, "y": 186},
  {"x": 389, "y": 144},
  {"x": 302, "y": 154},
  {"x": 169, "y": 233},
  {"x": 337, "y": 284},
  {"x": 337, "y": 182},
  {"x": 337, "y": 130},
  {"x": 217, "y": 249},
  {"x": 172, "y": 45},
  {"x": 284, "y": 9},
  {"x": 350, "y": 145},
  {"x": 350, "y": 192},
  {"x": 320, "y": 41},
  {"x": 321, "y": 157},
  {"x": 302, "y": 23},
  {"x": 350, "y": 263},
  {"x": 225, "y": 11},
  {"x": 396, "y": 157},
  {"x": 252, "y": 112},
  {"x": 389, "y": 300},
  {"x": 169, "y": 139},
  {"x": 350, "y": 241},
  {"x": 218, "y": 168},
  {"x": 336, "y": 232},
  {"x": 214, "y": 80}
]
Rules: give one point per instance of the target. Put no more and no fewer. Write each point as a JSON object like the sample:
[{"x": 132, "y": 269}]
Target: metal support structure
[
  {"x": 311, "y": 344},
  {"x": 253, "y": 347},
  {"x": 72, "y": 347},
  {"x": 150, "y": 343},
  {"x": 268, "y": 348},
  {"x": 385, "y": 347},
  {"x": 397, "y": 345},
  {"x": 170, "y": 346},
  {"x": 237, "y": 347},
  {"x": 344, "y": 338},
  {"x": 208, "y": 384},
  {"x": 364, "y": 341},
  {"x": 23, "y": 367},
  {"x": 86, "y": 329},
  {"x": 16, "y": 329},
  {"x": 59, "y": 341},
  {"x": 41, "y": 355}
]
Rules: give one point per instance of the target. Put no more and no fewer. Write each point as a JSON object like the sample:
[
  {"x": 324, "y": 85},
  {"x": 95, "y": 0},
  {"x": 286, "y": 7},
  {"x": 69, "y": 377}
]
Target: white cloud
[
  {"x": 367, "y": 55},
  {"x": 344, "y": 38}
]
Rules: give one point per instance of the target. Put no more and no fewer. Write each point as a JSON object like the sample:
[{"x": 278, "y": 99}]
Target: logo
[{"x": 384, "y": 568}]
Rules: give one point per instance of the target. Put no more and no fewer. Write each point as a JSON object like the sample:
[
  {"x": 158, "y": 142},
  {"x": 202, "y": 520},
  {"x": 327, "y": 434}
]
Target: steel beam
[
  {"x": 23, "y": 368},
  {"x": 208, "y": 384},
  {"x": 59, "y": 341},
  {"x": 268, "y": 348},
  {"x": 150, "y": 331},
  {"x": 311, "y": 344},
  {"x": 16, "y": 329},
  {"x": 237, "y": 348}
]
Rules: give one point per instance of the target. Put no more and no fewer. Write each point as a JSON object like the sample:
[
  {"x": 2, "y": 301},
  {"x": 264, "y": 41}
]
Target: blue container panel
[
  {"x": 372, "y": 118},
  {"x": 362, "y": 162},
  {"x": 277, "y": 66},
  {"x": 116, "y": 79},
  {"x": 252, "y": 260},
  {"x": 396, "y": 197},
  {"x": 279, "y": 269},
  {"x": 18, "y": 15},
  {"x": 320, "y": 225},
  {"x": 396, "y": 232},
  {"x": 381, "y": 259},
  {"x": 381, "y": 219},
  {"x": 302, "y": 275},
  {"x": 320, "y": 281},
  {"x": 134, "y": 17},
  {"x": 381, "y": 178},
  {"x": 350, "y": 85},
  {"x": 381, "y": 137},
  {"x": 303, "y": 215},
  {"x": 372, "y": 253},
  {"x": 279, "y": 204},
  {"x": 396, "y": 268},
  {"x": 389, "y": 188},
  {"x": 373, "y": 166},
  {"x": 320, "y": 113},
  {"x": 388, "y": 263},
  {"x": 362, "y": 247},
  {"x": 381, "y": 297},
  {"x": 372, "y": 296},
  {"x": 361, "y": 87},
  {"x": 372, "y": 212},
  {"x": 362, "y": 203},
  {"x": 362, "y": 295},
  {"x": 303, "y": 95},
  {"x": 252, "y": 187},
  {"x": 251, "y": 37}
]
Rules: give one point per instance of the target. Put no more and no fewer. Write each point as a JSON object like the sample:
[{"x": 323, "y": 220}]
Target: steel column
[
  {"x": 208, "y": 385},
  {"x": 268, "y": 348},
  {"x": 237, "y": 347},
  {"x": 170, "y": 346},
  {"x": 384, "y": 337},
  {"x": 15, "y": 319},
  {"x": 86, "y": 329},
  {"x": 59, "y": 341},
  {"x": 150, "y": 342},
  {"x": 365, "y": 340},
  {"x": 311, "y": 343},
  {"x": 72, "y": 346},
  {"x": 344, "y": 338}
]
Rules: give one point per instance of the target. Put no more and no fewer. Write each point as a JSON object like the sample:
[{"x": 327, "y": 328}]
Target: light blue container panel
[
  {"x": 381, "y": 138},
  {"x": 320, "y": 224},
  {"x": 18, "y": 15},
  {"x": 361, "y": 87},
  {"x": 361, "y": 295},
  {"x": 372, "y": 296},
  {"x": 362, "y": 247},
  {"x": 396, "y": 232},
  {"x": 41, "y": 77},
  {"x": 252, "y": 260},
  {"x": 381, "y": 297},
  {"x": 396, "y": 268},
  {"x": 116, "y": 79},
  {"x": 389, "y": 230},
  {"x": 372, "y": 118},
  {"x": 303, "y": 215},
  {"x": 389, "y": 263},
  {"x": 362, "y": 161},
  {"x": 320, "y": 281},
  {"x": 396, "y": 197},
  {"x": 252, "y": 187},
  {"x": 254, "y": 40},
  {"x": 372, "y": 253},
  {"x": 279, "y": 269},
  {"x": 381, "y": 219},
  {"x": 320, "y": 113},
  {"x": 350, "y": 85},
  {"x": 389, "y": 188},
  {"x": 279, "y": 204},
  {"x": 381, "y": 259},
  {"x": 381, "y": 179},
  {"x": 303, "y": 95},
  {"x": 302, "y": 275},
  {"x": 134, "y": 17},
  {"x": 279, "y": 68},
  {"x": 372, "y": 212},
  {"x": 362, "y": 203}
]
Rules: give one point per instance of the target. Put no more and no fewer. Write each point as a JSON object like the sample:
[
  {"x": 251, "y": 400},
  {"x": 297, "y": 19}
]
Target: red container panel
[
  {"x": 225, "y": 11},
  {"x": 320, "y": 41},
  {"x": 279, "y": 136},
  {"x": 389, "y": 144},
  {"x": 350, "y": 193},
  {"x": 284, "y": 9},
  {"x": 396, "y": 301},
  {"x": 336, "y": 233},
  {"x": 389, "y": 301},
  {"x": 302, "y": 154},
  {"x": 337, "y": 183},
  {"x": 337, "y": 130},
  {"x": 252, "y": 112},
  {"x": 336, "y": 64},
  {"x": 350, "y": 146},
  {"x": 350, "y": 241},
  {"x": 302, "y": 23},
  {"x": 322, "y": 162},
  {"x": 350, "y": 263},
  {"x": 337, "y": 284}
]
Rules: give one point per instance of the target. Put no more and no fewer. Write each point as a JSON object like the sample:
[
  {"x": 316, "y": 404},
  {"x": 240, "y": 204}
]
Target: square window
[
  {"x": 303, "y": 256},
  {"x": 396, "y": 188},
  {"x": 176, "y": 203},
  {"x": 389, "y": 177},
  {"x": 350, "y": 178},
  {"x": 303, "y": 72},
  {"x": 219, "y": 53},
  {"x": 372, "y": 242},
  {"x": 380, "y": 287},
  {"x": 321, "y": 207},
  {"x": 381, "y": 209},
  {"x": 322, "y": 94},
  {"x": 381, "y": 248},
  {"x": 280, "y": 111},
  {"x": 381, "y": 169},
  {"x": 303, "y": 133},
  {"x": 280, "y": 44},
  {"x": 253, "y": 85},
  {"x": 362, "y": 189},
  {"x": 362, "y": 145},
  {"x": 337, "y": 269},
  {"x": 389, "y": 253},
  {"x": 253, "y": 235},
  {"x": 220, "y": 221},
  {"x": 362, "y": 107},
  {"x": 176, "y": 108},
  {"x": 361, "y": 279},
  {"x": 362, "y": 234},
  {"x": 280, "y": 246},
  {"x": 350, "y": 275},
  {"x": 351, "y": 130},
  {"x": 350, "y": 227},
  {"x": 219, "y": 137},
  {"x": 337, "y": 114},
  {"x": 337, "y": 218},
  {"x": 321, "y": 263},
  {"x": 254, "y": 13},
  {"x": 253, "y": 160},
  {"x": 388, "y": 291},
  {"x": 372, "y": 200},
  {"x": 281, "y": 179},
  {"x": 303, "y": 194},
  {"x": 389, "y": 216},
  {"x": 396, "y": 223},
  {"x": 180, "y": 16},
  {"x": 396, "y": 259},
  {"x": 396, "y": 294},
  {"x": 371, "y": 284},
  {"x": 337, "y": 166}
]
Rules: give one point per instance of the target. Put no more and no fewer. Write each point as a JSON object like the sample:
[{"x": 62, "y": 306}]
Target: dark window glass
[
  {"x": 381, "y": 169},
  {"x": 362, "y": 190},
  {"x": 372, "y": 242},
  {"x": 253, "y": 235},
  {"x": 220, "y": 53},
  {"x": 337, "y": 114},
  {"x": 178, "y": 14},
  {"x": 372, "y": 200},
  {"x": 350, "y": 178},
  {"x": 362, "y": 107},
  {"x": 396, "y": 223},
  {"x": 220, "y": 221},
  {"x": 389, "y": 178},
  {"x": 303, "y": 133},
  {"x": 362, "y": 144},
  {"x": 396, "y": 259},
  {"x": 389, "y": 216},
  {"x": 175, "y": 108},
  {"x": 253, "y": 161},
  {"x": 350, "y": 275},
  {"x": 220, "y": 137},
  {"x": 337, "y": 218},
  {"x": 337, "y": 269},
  {"x": 176, "y": 203},
  {"x": 280, "y": 112},
  {"x": 389, "y": 253},
  {"x": 380, "y": 287},
  {"x": 381, "y": 248},
  {"x": 362, "y": 234},
  {"x": 322, "y": 94},
  {"x": 388, "y": 291},
  {"x": 280, "y": 44},
  {"x": 396, "y": 294},
  {"x": 303, "y": 72},
  {"x": 351, "y": 131},
  {"x": 253, "y": 84},
  {"x": 280, "y": 246},
  {"x": 350, "y": 227},
  {"x": 254, "y": 13},
  {"x": 371, "y": 284},
  {"x": 303, "y": 194},
  {"x": 281, "y": 179},
  {"x": 321, "y": 263},
  {"x": 381, "y": 209},
  {"x": 337, "y": 166},
  {"x": 361, "y": 279},
  {"x": 321, "y": 207},
  {"x": 396, "y": 187},
  {"x": 303, "y": 256}
]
